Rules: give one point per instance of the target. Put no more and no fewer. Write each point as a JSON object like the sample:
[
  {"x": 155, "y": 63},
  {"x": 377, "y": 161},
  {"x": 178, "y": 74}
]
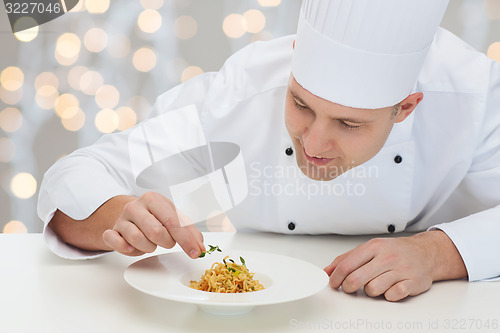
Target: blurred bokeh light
[
  {"x": 15, "y": 227},
  {"x": 107, "y": 121},
  {"x": 234, "y": 25},
  {"x": 46, "y": 79},
  {"x": 90, "y": 82},
  {"x": 144, "y": 59},
  {"x": 29, "y": 34},
  {"x": 107, "y": 96},
  {"x": 67, "y": 49},
  {"x": 97, "y": 6},
  {"x": 190, "y": 72},
  {"x": 73, "y": 119},
  {"x": 127, "y": 118},
  {"x": 151, "y": 4},
  {"x": 23, "y": 185},
  {"x": 149, "y": 21},
  {"x": 255, "y": 20},
  {"x": 95, "y": 40},
  {"x": 185, "y": 27},
  {"x": 269, "y": 3},
  {"x": 10, "y": 119},
  {"x": 46, "y": 96},
  {"x": 12, "y": 78}
]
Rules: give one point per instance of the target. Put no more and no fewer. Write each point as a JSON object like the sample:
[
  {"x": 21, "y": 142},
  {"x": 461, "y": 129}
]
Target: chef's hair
[{"x": 396, "y": 109}]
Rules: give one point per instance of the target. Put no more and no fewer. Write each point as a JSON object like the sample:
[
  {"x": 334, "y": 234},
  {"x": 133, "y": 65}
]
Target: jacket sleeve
[
  {"x": 81, "y": 182},
  {"x": 477, "y": 236}
]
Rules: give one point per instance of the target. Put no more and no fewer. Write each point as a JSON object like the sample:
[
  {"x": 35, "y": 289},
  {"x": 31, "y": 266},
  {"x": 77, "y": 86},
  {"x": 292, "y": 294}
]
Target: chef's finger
[
  {"x": 330, "y": 268},
  {"x": 349, "y": 264},
  {"x": 148, "y": 224},
  {"x": 134, "y": 236},
  {"x": 381, "y": 283},
  {"x": 400, "y": 290},
  {"x": 115, "y": 241},
  {"x": 158, "y": 234},
  {"x": 363, "y": 275},
  {"x": 195, "y": 235},
  {"x": 188, "y": 237},
  {"x": 408, "y": 287}
]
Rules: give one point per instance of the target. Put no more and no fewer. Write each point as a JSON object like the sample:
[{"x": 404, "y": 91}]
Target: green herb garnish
[
  {"x": 212, "y": 249},
  {"x": 229, "y": 267},
  {"x": 233, "y": 267}
]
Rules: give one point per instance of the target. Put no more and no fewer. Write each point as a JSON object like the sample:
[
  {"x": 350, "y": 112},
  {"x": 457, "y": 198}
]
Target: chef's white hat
[{"x": 364, "y": 53}]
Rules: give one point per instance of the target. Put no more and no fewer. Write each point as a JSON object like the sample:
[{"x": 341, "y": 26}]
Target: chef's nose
[{"x": 318, "y": 139}]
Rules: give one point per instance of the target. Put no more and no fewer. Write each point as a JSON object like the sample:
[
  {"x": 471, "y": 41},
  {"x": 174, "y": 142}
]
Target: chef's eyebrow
[{"x": 349, "y": 120}]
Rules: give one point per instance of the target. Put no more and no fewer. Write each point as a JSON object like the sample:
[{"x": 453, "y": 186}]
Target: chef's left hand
[{"x": 397, "y": 267}]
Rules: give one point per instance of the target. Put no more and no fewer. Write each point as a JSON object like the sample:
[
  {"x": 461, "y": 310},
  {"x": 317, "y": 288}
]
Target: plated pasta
[{"x": 227, "y": 277}]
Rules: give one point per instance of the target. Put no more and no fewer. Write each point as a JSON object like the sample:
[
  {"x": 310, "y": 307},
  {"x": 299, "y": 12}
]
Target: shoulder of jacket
[
  {"x": 256, "y": 68},
  {"x": 454, "y": 66}
]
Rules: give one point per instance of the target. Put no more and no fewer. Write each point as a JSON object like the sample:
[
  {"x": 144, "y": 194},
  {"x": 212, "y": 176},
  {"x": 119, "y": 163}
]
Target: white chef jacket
[{"x": 440, "y": 168}]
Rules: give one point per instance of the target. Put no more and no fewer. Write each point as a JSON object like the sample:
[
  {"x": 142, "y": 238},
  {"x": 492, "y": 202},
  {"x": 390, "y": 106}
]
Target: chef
[{"x": 370, "y": 120}]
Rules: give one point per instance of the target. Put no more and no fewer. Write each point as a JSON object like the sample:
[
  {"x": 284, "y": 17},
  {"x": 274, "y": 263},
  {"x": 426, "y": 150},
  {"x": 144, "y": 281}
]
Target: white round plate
[{"x": 284, "y": 278}]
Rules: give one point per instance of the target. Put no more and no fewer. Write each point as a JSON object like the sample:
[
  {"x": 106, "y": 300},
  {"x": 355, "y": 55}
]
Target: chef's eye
[
  {"x": 348, "y": 126},
  {"x": 300, "y": 106}
]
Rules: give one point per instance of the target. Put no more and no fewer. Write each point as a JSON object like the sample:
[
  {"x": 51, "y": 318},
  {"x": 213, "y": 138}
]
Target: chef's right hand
[{"x": 149, "y": 221}]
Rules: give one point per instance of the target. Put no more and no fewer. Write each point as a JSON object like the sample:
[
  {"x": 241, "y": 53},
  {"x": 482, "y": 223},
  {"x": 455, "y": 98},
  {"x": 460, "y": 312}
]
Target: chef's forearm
[{"x": 87, "y": 234}]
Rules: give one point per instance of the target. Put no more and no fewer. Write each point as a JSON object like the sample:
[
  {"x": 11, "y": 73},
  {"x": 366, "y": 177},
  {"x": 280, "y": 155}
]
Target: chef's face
[{"x": 329, "y": 138}]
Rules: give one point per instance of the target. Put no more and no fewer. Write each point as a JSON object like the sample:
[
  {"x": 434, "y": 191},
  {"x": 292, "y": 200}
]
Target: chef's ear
[{"x": 407, "y": 105}]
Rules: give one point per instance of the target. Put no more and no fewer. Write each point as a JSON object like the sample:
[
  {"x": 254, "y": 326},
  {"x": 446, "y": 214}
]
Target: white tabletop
[{"x": 41, "y": 292}]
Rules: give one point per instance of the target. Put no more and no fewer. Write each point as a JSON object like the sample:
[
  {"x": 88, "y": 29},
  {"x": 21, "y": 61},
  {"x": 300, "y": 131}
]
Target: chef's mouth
[{"x": 318, "y": 161}]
